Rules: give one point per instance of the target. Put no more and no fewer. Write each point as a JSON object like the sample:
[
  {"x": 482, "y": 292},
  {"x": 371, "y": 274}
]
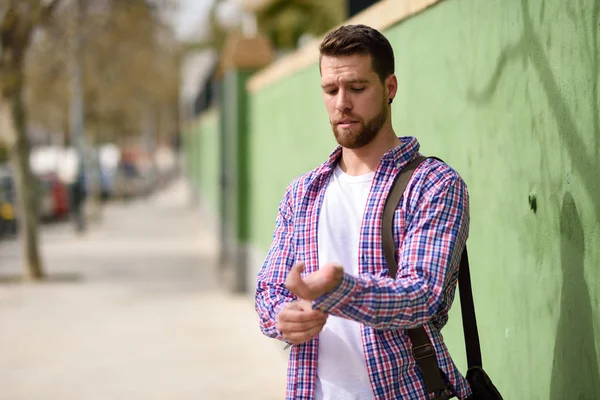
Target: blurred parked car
[{"x": 8, "y": 218}]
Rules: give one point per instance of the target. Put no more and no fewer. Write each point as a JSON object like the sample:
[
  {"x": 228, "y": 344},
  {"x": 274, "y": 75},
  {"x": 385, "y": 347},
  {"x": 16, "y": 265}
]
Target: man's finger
[
  {"x": 306, "y": 306},
  {"x": 303, "y": 337},
  {"x": 290, "y": 327},
  {"x": 293, "y": 305},
  {"x": 294, "y": 282},
  {"x": 291, "y": 315}
]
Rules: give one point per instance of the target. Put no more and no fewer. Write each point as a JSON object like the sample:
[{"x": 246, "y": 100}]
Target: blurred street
[{"x": 131, "y": 310}]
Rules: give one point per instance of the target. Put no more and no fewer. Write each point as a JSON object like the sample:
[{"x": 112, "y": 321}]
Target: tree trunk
[{"x": 25, "y": 188}]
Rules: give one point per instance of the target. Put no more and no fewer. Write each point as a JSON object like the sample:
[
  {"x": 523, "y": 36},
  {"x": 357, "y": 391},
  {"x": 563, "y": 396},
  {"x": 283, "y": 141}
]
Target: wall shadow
[
  {"x": 530, "y": 49},
  {"x": 575, "y": 372}
]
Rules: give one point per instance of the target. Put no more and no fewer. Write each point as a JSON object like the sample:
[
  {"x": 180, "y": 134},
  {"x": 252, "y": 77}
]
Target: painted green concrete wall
[
  {"x": 236, "y": 143},
  {"x": 191, "y": 147},
  {"x": 507, "y": 93},
  {"x": 202, "y": 158},
  {"x": 289, "y": 135},
  {"x": 235, "y": 218},
  {"x": 209, "y": 158}
]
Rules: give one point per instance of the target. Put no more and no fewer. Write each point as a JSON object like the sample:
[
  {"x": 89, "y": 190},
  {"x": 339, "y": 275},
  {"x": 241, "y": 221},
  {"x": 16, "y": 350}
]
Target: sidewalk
[{"x": 132, "y": 311}]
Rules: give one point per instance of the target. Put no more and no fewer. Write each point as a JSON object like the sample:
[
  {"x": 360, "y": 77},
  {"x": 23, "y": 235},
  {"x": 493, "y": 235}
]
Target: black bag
[{"x": 423, "y": 350}]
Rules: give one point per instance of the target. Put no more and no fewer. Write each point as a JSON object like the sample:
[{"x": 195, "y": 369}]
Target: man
[{"x": 324, "y": 287}]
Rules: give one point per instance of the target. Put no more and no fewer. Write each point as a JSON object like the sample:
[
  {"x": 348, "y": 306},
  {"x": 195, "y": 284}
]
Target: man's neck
[{"x": 366, "y": 159}]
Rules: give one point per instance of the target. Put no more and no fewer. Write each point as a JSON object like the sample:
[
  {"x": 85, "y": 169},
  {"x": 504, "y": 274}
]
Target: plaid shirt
[{"x": 431, "y": 228}]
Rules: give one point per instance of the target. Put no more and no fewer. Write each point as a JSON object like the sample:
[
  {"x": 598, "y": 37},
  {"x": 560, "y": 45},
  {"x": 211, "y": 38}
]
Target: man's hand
[
  {"x": 299, "y": 323},
  {"x": 315, "y": 285}
]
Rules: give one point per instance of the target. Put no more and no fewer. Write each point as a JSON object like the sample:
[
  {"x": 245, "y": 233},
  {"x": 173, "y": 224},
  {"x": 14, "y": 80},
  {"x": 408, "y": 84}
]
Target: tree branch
[
  {"x": 49, "y": 9},
  {"x": 42, "y": 13}
]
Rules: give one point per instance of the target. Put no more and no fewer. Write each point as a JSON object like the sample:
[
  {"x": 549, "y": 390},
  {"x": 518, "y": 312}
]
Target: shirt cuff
[{"x": 338, "y": 297}]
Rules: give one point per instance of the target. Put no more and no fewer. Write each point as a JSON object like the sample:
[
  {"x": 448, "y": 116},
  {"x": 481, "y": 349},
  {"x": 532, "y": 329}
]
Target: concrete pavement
[{"x": 132, "y": 310}]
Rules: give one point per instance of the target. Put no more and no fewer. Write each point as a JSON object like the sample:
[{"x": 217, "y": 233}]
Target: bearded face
[
  {"x": 353, "y": 132},
  {"x": 355, "y": 98}
]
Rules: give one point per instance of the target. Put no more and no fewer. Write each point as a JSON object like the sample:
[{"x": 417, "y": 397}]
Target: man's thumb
[{"x": 294, "y": 278}]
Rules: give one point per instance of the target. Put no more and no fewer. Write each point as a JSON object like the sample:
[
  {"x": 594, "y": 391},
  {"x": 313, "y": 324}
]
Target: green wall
[
  {"x": 209, "y": 159},
  {"x": 202, "y": 158},
  {"x": 289, "y": 135},
  {"x": 236, "y": 142},
  {"x": 507, "y": 93},
  {"x": 235, "y": 215},
  {"x": 190, "y": 137}
]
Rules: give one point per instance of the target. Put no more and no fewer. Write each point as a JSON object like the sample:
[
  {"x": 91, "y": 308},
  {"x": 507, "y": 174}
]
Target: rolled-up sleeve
[
  {"x": 427, "y": 267},
  {"x": 271, "y": 294}
]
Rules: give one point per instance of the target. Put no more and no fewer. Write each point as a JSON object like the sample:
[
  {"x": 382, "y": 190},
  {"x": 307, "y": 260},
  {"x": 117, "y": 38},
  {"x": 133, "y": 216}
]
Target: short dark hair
[{"x": 360, "y": 39}]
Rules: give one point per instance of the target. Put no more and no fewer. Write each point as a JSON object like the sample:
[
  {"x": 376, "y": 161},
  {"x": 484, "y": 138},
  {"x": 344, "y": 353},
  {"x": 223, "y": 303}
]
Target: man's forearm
[
  {"x": 428, "y": 262},
  {"x": 382, "y": 303}
]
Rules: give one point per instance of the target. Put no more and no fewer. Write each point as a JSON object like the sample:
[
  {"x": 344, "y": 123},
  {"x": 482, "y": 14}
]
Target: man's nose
[{"x": 343, "y": 101}]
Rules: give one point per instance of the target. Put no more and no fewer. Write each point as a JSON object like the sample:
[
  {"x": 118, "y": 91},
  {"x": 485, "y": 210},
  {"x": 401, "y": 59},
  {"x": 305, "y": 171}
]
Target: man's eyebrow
[
  {"x": 358, "y": 81},
  {"x": 351, "y": 81}
]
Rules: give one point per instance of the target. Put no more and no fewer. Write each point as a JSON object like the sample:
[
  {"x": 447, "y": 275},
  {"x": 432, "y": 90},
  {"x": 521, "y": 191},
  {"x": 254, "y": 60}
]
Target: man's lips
[{"x": 346, "y": 122}]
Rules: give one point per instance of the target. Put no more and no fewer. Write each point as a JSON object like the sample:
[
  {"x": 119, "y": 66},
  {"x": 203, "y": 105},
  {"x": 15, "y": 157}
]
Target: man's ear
[{"x": 391, "y": 86}]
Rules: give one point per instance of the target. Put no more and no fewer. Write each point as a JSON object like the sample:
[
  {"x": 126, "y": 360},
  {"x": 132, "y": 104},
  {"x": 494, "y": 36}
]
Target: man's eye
[
  {"x": 358, "y": 90},
  {"x": 332, "y": 92}
]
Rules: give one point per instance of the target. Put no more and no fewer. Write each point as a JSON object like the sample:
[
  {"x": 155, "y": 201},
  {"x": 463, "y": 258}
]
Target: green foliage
[{"x": 284, "y": 21}]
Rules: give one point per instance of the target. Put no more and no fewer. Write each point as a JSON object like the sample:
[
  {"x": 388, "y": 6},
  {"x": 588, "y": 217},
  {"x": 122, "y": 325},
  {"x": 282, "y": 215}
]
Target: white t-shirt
[{"x": 342, "y": 370}]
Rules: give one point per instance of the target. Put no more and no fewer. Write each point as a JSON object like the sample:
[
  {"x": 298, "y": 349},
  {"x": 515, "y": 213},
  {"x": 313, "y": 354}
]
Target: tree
[
  {"x": 131, "y": 79},
  {"x": 130, "y": 82},
  {"x": 285, "y": 21},
  {"x": 19, "y": 21}
]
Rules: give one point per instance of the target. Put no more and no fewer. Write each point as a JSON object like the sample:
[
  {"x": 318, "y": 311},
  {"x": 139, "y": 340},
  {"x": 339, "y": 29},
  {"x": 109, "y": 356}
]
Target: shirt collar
[{"x": 399, "y": 155}]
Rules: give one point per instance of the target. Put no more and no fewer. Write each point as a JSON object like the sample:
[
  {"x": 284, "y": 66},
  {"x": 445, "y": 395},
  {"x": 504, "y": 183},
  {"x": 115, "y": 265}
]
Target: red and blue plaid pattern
[{"x": 430, "y": 228}]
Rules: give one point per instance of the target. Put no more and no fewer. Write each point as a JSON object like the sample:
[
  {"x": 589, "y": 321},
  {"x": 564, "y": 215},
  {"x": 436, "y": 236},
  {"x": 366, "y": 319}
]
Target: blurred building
[
  {"x": 197, "y": 92},
  {"x": 245, "y": 25}
]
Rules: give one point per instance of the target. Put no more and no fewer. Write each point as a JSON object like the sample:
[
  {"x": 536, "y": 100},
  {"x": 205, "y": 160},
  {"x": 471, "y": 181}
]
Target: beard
[{"x": 362, "y": 133}]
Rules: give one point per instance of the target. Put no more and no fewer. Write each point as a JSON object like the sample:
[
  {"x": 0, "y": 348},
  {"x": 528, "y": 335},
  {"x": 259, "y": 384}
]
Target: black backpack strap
[
  {"x": 467, "y": 308},
  {"x": 423, "y": 350},
  {"x": 391, "y": 202}
]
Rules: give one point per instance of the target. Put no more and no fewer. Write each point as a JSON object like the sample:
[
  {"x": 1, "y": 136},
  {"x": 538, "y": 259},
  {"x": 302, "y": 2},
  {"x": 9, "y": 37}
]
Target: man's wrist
[
  {"x": 338, "y": 296},
  {"x": 335, "y": 283}
]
